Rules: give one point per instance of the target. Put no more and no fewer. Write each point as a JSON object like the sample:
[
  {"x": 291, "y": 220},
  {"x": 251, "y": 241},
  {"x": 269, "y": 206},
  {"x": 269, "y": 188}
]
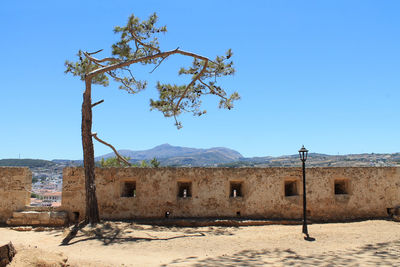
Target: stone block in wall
[
  {"x": 30, "y": 214},
  {"x": 52, "y": 218},
  {"x": 58, "y": 218},
  {"x": 15, "y": 187},
  {"x": 58, "y": 221},
  {"x": 15, "y": 221},
  {"x": 44, "y": 216},
  {"x": 17, "y": 214},
  {"x": 15, "y": 178}
]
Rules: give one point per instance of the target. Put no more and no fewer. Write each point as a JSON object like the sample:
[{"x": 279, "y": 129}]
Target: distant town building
[
  {"x": 46, "y": 198},
  {"x": 51, "y": 197}
]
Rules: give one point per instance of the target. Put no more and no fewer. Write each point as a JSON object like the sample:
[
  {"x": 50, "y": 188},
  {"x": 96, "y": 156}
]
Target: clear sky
[{"x": 325, "y": 74}]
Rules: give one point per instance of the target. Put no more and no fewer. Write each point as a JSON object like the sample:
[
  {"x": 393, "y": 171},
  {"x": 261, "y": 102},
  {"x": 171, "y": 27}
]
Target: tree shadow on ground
[
  {"x": 379, "y": 254},
  {"x": 209, "y": 230},
  {"x": 115, "y": 233}
]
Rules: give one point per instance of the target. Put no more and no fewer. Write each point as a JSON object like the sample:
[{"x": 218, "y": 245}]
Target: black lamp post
[{"x": 303, "y": 152}]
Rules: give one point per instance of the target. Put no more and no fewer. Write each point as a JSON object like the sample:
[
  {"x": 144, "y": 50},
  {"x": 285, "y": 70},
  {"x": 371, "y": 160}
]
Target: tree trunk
[{"x": 92, "y": 210}]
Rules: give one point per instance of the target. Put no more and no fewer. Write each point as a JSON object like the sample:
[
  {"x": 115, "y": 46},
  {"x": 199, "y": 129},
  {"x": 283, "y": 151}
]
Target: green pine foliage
[
  {"x": 113, "y": 162},
  {"x": 144, "y": 164},
  {"x": 155, "y": 163},
  {"x": 138, "y": 43}
]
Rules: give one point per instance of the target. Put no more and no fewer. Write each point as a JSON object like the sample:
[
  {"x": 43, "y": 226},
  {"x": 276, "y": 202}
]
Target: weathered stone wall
[
  {"x": 368, "y": 192},
  {"x": 15, "y": 187}
]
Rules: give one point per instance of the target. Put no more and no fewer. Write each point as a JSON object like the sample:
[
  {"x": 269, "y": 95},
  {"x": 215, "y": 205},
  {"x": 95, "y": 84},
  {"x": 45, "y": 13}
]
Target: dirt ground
[{"x": 367, "y": 243}]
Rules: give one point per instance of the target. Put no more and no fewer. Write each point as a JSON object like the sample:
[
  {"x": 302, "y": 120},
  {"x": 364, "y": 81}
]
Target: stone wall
[
  {"x": 260, "y": 192},
  {"x": 15, "y": 187}
]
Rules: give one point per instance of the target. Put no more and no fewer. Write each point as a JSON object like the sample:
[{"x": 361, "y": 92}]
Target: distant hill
[
  {"x": 68, "y": 162},
  {"x": 180, "y": 156},
  {"x": 320, "y": 160},
  {"x": 31, "y": 163},
  {"x": 177, "y": 156}
]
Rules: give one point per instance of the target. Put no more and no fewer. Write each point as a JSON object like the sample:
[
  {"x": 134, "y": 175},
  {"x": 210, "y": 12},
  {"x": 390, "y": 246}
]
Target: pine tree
[
  {"x": 138, "y": 44},
  {"x": 155, "y": 163}
]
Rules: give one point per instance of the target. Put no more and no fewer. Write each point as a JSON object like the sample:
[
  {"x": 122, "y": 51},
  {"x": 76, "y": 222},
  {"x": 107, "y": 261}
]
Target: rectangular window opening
[
  {"x": 129, "y": 189},
  {"x": 341, "y": 187},
  {"x": 76, "y": 216},
  {"x": 236, "y": 189},
  {"x": 291, "y": 188},
  {"x": 184, "y": 189}
]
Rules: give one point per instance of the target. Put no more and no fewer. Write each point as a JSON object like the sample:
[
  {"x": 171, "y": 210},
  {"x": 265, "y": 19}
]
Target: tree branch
[
  {"x": 136, "y": 60},
  {"x": 72, "y": 232},
  {"x": 191, "y": 84},
  {"x": 143, "y": 44},
  {"x": 212, "y": 91},
  {"x": 163, "y": 55},
  {"x": 187, "y": 88},
  {"x": 120, "y": 80},
  {"x": 113, "y": 148},
  {"x": 130, "y": 72},
  {"x": 92, "y": 53},
  {"x": 98, "y": 102},
  {"x": 159, "y": 63},
  {"x": 110, "y": 59}
]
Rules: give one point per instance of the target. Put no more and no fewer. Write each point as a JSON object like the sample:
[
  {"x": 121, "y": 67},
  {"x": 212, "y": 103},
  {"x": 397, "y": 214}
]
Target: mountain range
[
  {"x": 175, "y": 156},
  {"x": 170, "y": 155}
]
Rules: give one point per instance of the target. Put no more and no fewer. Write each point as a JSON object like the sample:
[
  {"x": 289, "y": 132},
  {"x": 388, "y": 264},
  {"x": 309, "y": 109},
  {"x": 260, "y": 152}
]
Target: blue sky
[{"x": 325, "y": 74}]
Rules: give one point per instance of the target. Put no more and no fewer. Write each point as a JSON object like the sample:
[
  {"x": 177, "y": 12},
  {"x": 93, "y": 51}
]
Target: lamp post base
[
  {"x": 305, "y": 230},
  {"x": 307, "y": 237}
]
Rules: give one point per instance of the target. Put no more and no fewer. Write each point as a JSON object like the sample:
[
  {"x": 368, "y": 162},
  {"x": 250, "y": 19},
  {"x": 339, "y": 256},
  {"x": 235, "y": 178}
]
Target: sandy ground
[{"x": 367, "y": 243}]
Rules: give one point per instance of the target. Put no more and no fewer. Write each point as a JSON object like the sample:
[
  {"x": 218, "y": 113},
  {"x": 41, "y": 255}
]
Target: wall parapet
[
  {"x": 333, "y": 193},
  {"x": 15, "y": 188}
]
